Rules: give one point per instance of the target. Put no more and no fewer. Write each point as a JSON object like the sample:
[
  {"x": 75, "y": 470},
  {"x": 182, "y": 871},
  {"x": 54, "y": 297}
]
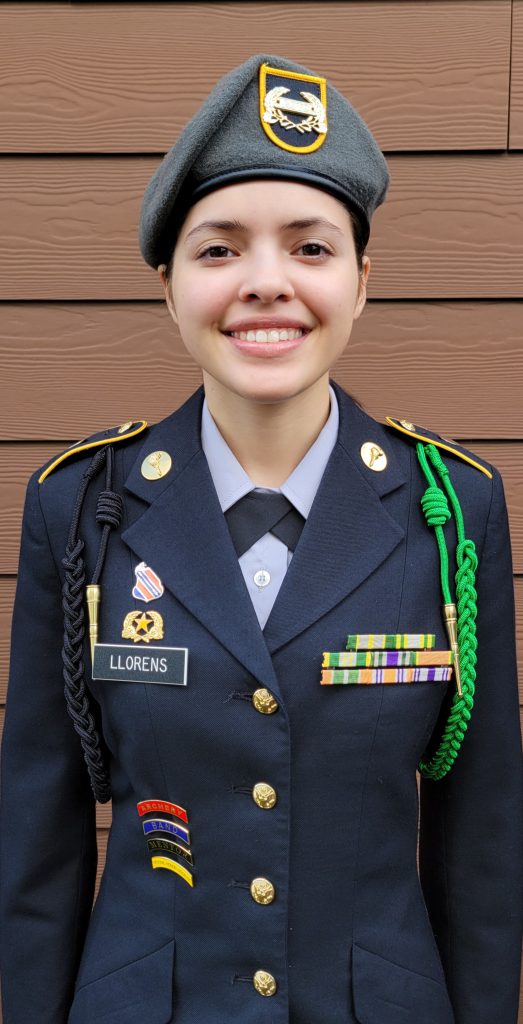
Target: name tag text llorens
[{"x": 126, "y": 664}]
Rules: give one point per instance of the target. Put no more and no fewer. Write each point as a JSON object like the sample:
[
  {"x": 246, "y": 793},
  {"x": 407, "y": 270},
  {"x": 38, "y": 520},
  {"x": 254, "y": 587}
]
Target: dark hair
[{"x": 359, "y": 235}]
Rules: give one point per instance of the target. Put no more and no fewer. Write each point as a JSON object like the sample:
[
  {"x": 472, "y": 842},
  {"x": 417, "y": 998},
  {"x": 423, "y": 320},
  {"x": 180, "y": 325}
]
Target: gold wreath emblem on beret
[{"x": 311, "y": 105}]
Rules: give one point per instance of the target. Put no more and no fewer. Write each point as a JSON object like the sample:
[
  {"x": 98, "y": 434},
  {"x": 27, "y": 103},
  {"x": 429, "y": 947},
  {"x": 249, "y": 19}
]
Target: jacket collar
[{"x": 183, "y": 534}]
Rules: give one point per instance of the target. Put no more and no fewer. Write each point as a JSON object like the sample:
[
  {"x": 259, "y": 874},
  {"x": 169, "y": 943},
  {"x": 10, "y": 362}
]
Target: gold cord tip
[
  {"x": 451, "y": 622},
  {"x": 92, "y": 594}
]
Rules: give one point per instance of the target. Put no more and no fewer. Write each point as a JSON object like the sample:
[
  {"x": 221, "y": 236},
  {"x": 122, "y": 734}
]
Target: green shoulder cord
[{"x": 436, "y": 508}]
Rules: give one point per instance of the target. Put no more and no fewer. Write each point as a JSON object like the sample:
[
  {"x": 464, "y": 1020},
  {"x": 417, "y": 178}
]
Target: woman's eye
[
  {"x": 314, "y": 249},
  {"x": 215, "y": 252}
]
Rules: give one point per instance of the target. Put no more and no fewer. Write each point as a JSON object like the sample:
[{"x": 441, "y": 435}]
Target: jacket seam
[
  {"x": 83, "y": 844},
  {"x": 487, "y": 520},
  {"x": 444, "y": 826},
  {"x": 122, "y": 967},
  {"x": 360, "y": 817},
  {"x": 407, "y": 532},
  {"x": 44, "y": 521}
]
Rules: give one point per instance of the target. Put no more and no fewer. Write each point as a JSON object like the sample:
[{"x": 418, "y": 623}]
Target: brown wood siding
[
  {"x": 516, "y": 89},
  {"x": 124, "y": 77},
  {"x": 93, "y": 94},
  {"x": 452, "y": 366},
  {"x": 450, "y": 228}
]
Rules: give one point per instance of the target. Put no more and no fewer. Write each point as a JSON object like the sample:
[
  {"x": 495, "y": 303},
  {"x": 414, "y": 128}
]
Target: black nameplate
[{"x": 131, "y": 664}]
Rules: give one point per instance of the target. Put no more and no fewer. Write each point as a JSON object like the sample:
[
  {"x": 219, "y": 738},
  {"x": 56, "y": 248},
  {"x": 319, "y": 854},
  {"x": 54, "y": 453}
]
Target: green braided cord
[
  {"x": 436, "y": 508},
  {"x": 442, "y": 469},
  {"x": 459, "y": 716}
]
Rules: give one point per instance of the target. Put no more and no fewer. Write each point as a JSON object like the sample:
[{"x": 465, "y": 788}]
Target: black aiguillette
[{"x": 127, "y": 664}]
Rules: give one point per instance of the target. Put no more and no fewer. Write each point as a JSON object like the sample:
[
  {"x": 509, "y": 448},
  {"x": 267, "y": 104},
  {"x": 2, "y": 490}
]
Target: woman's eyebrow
[
  {"x": 216, "y": 225},
  {"x": 235, "y": 225},
  {"x": 311, "y": 222}
]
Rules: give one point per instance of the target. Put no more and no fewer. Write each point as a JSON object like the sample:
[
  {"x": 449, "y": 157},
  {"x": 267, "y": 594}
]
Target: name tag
[{"x": 124, "y": 663}]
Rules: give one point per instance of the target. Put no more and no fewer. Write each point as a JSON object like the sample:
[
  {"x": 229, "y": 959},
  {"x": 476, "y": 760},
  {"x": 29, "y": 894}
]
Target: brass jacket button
[
  {"x": 264, "y": 702},
  {"x": 264, "y": 795},
  {"x": 262, "y": 891},
  {"x": 264, "y": 983}
]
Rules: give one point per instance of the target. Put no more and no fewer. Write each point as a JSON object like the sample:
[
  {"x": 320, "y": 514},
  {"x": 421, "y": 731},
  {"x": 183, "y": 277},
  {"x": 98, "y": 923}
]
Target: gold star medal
[{"x": 144, "y": 626}]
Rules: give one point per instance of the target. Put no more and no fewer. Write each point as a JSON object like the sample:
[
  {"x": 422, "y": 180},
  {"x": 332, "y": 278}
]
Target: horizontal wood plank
[
  {"x": 7, "y": 591},
  {"x": 451, "y": 227},
  {"x": 69, "y": 370},
  {"x": 435, "y": 76},
  {"x": 516, "y": 82},
  {"x": 18, "y": 462}
]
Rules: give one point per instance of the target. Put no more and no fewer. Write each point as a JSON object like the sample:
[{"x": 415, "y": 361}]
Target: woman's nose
[{"x": 266, "y": 279}]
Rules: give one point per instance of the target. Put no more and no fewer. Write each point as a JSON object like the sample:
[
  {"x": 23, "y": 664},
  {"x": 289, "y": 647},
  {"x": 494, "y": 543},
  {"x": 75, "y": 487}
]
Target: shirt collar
[{"x": 232, "y": 482}]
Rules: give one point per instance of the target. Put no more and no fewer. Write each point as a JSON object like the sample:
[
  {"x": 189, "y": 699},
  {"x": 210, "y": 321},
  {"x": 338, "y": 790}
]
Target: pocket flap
[
  {"x": 141, "y": 990},
  {"x": 384, "y": 991}
]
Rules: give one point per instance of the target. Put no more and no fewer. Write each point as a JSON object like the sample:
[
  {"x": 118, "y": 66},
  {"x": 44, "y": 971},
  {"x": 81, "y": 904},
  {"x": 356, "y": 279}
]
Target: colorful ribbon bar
[
  {"x": 171, "y": 865},
  {"x": 162, "y": 825},
  {"x": 161, "y": 806},
  {"x": 385, "y": 659},
  {"x": 384, "y": 675},
  {"x": 389, "y": 641}
]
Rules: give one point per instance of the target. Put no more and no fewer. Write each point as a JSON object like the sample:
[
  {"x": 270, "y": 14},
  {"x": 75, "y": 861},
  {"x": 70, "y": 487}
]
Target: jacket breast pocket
[
  {"x": 385, "y": 992},
  {"x": 138, "y": 991}
]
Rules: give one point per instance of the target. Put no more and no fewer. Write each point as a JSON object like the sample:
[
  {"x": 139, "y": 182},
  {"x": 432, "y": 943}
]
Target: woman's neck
[{"x": 269, "y": 439}]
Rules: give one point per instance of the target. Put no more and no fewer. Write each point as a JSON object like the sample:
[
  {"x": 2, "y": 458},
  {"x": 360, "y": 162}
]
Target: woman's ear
[
  {"x": 362, "y": 287},
  {"x": 167, "y": 290}
]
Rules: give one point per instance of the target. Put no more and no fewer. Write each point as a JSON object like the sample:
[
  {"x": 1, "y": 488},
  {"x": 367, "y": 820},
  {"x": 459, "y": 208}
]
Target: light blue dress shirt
[{"x": 265, "y": 563}]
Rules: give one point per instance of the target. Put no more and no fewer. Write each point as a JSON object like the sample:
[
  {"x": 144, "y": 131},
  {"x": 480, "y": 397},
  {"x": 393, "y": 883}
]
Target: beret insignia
[{"x": 293, "y": 109}]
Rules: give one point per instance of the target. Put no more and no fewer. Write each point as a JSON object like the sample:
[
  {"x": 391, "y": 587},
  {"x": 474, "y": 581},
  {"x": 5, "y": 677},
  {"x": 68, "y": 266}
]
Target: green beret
[{"x": 267, "y": 118}]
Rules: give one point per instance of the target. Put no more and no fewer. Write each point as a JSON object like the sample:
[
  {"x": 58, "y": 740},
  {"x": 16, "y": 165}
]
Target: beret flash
[{"x": 267, "y": 118}]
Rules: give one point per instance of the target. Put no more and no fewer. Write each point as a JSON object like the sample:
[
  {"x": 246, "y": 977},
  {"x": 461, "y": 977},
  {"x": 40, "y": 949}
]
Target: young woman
[{"x": 292, "y": 608}]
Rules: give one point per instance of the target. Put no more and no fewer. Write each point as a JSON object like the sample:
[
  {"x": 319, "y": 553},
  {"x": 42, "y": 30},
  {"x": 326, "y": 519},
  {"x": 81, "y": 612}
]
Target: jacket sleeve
[
  {"x": 471, "y": 821},
  {"x": 47, "y": 811}
]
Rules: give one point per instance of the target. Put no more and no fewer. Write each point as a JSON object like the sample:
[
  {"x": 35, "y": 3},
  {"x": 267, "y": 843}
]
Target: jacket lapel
[
  {"x": 184, "y": 534},
  {"x": 348, "y": 533}
]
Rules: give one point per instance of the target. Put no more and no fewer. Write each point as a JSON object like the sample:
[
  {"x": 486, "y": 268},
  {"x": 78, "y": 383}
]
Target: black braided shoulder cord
[
  {"x": 76, "y": 697},
  {"x": 73, "y": 594}
]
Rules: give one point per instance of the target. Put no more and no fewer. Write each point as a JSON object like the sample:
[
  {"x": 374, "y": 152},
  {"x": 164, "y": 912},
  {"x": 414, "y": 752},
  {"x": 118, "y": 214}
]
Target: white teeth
[{"x": 272, "y": 335}]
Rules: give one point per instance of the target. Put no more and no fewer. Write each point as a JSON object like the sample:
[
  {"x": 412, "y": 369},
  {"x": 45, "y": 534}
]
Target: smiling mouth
[{"x": 270, "y": 336}]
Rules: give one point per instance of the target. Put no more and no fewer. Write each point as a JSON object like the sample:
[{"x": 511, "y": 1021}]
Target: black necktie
[{"x": 258, "y": 513}]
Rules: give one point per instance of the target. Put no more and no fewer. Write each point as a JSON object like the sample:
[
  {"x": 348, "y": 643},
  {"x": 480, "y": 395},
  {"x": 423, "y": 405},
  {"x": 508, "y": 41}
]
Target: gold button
[
  {"x": 156, "y": 465},
  {"x": 264, "y": 702},
  {"x": 264, "y": 795},
  {"x": 125, "y": 427},
  {"x": 262, "y": 891},
  {"x": 407, "y": 424},
  {"x": 264, "y": 983}
]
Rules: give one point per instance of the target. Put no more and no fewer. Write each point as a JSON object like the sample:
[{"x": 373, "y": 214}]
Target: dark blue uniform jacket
[{"x": 355, "y": 933}]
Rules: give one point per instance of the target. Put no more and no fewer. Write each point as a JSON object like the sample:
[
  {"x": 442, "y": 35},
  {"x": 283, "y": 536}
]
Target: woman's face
[{"x": 265, "y": 287}]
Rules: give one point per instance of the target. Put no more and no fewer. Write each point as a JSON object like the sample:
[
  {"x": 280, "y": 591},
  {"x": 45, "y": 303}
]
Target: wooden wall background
[{"x": 91, "y": 97}]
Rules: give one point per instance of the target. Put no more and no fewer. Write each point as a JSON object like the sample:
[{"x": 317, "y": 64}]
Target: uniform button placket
[{"x": 262, "y": 890}]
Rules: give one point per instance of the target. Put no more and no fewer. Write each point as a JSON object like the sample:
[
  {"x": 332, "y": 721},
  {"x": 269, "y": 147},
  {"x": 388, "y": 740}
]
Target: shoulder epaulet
[
  {"x": 112, "y": 436},
  {"x": 422, "y": 434}
]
